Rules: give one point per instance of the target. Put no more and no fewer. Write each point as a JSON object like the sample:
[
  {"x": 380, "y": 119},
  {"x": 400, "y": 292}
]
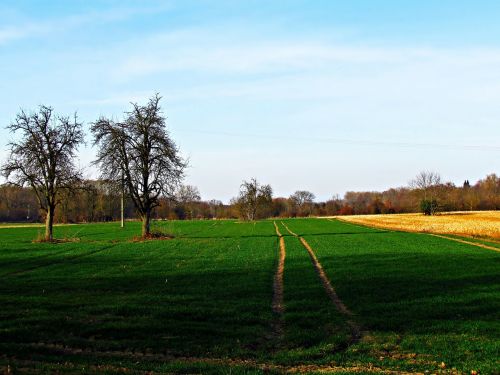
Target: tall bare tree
[
  {"x": 425, "y": 181},
  {"x": 139, "y": 153},
  {"x": 43, "y": 157}
]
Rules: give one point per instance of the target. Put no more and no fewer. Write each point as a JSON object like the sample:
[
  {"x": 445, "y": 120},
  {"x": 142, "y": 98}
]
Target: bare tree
[
  {"x": 302, "y": 200},
  {"x": 43, "y": 157},
  {"x": 426, "y": 181},
  {"x": 253, "y": 197},
  {"x": 139, "y": 153},
  {"x": 187, "y": 195},
  {"x": 215, "y": 207}
]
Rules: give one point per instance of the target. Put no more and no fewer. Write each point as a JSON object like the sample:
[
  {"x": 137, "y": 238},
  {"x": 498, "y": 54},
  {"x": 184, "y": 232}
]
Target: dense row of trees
[
  {"x": 484, "y": 195},
  {"x": 100, "y": 201},
  {"x": 426, "y": 193}
]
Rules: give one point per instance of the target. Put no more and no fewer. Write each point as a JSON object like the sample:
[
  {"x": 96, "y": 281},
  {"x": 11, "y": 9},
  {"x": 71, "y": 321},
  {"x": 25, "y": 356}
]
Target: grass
[
  {"x": 313, "y": 327},
  {"x": 480, "y": 224},
  {"x": 420, "y": 297},
  {"x": 201, "y": 302}
]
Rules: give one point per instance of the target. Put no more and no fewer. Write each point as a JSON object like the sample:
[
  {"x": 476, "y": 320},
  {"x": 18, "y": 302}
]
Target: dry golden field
[{"x": 484, "y": 224}]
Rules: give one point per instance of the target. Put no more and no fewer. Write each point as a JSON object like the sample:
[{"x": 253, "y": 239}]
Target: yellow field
[{"x": 471, "y": 223}]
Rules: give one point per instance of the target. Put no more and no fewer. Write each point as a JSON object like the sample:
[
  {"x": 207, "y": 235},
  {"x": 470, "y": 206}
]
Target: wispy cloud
[
  {"x": 261, "y": 58},
  {"x": 202, "y": 51},
  {"x": 11, "y": 33},
  {"x": 37, "y": 28}
]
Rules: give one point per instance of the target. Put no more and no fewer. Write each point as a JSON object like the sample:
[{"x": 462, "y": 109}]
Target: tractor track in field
[
  {"x": 278, "y": 286},
  {"x": 466, "y": 242},
  {"x": 48, "y": 264},
  {"x": 38, "y": 258},
  {"x": 354, "y": 327},
  {"x": 149, "y": 356}
]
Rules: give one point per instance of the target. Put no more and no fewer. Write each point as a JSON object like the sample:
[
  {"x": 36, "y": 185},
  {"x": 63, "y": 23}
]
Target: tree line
[
  {"x": 99, "y": 201},
  {"x": 141, "y": 169}
]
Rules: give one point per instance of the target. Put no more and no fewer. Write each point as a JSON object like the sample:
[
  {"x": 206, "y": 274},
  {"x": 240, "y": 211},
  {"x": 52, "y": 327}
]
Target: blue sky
[{"x": 327, "y": 96}]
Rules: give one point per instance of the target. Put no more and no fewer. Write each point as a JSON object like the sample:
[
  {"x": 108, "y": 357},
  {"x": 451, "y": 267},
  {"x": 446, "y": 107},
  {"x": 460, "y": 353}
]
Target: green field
[{"x": 101, "y": 302}]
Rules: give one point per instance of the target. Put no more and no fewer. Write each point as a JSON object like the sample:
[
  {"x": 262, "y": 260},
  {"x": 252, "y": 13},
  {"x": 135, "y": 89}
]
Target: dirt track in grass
[
  {"x": 468, "y": 242},
  {"x": 278, "y": 304},
  {"x": 355, "y": 328}
]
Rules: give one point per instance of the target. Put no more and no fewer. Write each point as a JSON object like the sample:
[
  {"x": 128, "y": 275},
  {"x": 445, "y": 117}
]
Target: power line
[{"x": 348, "y": 141}]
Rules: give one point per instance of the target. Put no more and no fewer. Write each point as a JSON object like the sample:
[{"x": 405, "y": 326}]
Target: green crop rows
[{"x": 101, "y": 302}]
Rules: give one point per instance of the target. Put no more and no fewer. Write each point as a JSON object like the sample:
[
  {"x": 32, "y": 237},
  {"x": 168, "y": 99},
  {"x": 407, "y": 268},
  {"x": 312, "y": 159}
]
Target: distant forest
[{"x": 98, "y": 200}]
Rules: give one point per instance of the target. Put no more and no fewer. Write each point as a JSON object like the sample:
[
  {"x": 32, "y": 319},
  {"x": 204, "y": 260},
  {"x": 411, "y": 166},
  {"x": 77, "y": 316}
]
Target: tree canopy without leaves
[
  {"x": 42, "y": 158},
  {"x": 187, "y": 194},
  {"x": 253, "y": 198},
  {"x": 140, "y": 154},
  {"x": 302, "y": 197},
  {"x": 426, "y": 181},
  {"x": 186, "y": 197},
  {"x": 302, "y": 201}
]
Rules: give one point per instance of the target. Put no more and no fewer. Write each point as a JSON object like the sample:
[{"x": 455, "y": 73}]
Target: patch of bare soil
[
  {"x": 157, "y": 236},
  {"x": 56, "y": 240}
]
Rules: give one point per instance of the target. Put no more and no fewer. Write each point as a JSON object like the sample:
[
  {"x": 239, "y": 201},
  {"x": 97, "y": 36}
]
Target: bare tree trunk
[
  {"x": 146, "y": 223},
  {"x": 49, "y": 221},
  {"x": 122, "y": 208},
  {"x": 122, "y": 204}
]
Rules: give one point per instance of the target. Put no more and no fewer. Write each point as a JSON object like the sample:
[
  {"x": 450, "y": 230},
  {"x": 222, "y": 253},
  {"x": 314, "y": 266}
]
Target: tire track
[
  {"x": 354, "y": 327},
  {"x": 289, "y": 230},
  {"x": 66, "y": 259},
  {"x": 466, "y": 242},
  {"x": 278, "y": 286},
  {"x": 21, "y": 263}
]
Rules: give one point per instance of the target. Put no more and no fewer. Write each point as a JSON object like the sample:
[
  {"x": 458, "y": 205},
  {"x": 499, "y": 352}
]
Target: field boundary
[
  {"x": 363, "y": 226},
  {"x": 465, "y": 242},
  {"x": 354, "y": 327},
  {"x": 451, "y": 223},
  {"x": 440, "y": 235}
]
